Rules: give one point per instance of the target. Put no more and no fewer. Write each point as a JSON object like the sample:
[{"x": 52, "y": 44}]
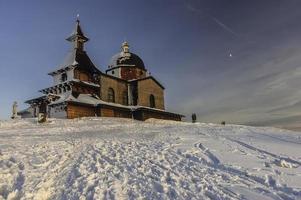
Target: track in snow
[{"x": 124, "y": 159}]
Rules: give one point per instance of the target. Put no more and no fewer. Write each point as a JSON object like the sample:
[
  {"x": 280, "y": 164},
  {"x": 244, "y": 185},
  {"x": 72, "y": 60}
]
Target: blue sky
[{"x": 186, "y": 44}]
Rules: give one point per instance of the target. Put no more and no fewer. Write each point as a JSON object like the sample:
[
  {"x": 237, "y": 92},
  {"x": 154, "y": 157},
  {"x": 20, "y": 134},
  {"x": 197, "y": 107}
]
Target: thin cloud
[
  {"x": 224, "y": 26},
  {"x": 212, "y": 18}
]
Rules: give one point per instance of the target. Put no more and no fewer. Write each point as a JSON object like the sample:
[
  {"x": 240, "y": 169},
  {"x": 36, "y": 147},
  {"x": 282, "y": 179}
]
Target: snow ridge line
[
  {"x": 295, "y": 141},
  {"x": 264, "y": 152},
  {"x": 268, "y": 183}
]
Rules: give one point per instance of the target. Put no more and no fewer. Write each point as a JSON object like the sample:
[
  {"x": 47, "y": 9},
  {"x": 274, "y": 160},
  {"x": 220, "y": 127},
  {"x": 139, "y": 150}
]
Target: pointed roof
[
  {"x": 77, "y": 33},
  {"x": 79, "y": 59}
]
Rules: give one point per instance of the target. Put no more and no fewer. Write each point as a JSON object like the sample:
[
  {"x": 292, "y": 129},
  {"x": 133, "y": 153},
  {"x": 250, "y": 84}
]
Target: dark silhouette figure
[{"x": 193, "y": 117}]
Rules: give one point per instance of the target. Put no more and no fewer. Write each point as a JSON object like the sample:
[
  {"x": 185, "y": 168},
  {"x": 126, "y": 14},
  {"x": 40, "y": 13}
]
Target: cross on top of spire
[
  {"x": 125, "y": 47},
  {"x": 77, "y": 34},
  {"x": 78, "y": 37}
]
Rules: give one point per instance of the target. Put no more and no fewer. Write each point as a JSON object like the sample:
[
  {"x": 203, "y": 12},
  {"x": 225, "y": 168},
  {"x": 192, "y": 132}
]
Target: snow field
[{"x": 109, "y": 158}]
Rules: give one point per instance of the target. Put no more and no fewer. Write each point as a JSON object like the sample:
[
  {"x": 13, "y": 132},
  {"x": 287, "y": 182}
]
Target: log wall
[{"x": 75, "y": 111}]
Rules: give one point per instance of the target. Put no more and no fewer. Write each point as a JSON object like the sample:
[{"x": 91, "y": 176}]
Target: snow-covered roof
[
  {"x": 36, "y": 99},
  {"x": 92, "y": 100},
  {"x": 79, "y": 59},
  {"x": 69, "y": 82},
  {"x": 84, "y": 99},
  {"x": 26, "y": 110},
  {"x": 86, "y": 82}
]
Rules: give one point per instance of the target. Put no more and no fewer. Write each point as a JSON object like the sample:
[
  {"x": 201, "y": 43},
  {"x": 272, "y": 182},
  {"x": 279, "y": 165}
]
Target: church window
[
  {"x": 111, "y": 95},
  {"x": 125, "y": 98},
  {"x": 76, "y": 74},
  {"x": 64, "y": 77},
  {"x": 113, "y": 72},
  {"x": 152, "y": 102}
]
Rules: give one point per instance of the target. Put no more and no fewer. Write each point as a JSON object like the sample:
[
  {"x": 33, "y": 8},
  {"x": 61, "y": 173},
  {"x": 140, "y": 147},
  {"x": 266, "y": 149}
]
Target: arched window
[
  {"x": 125, "y": 98},
  {"x": 152, "y": 102},
  {"x": 111, "y": 95}
]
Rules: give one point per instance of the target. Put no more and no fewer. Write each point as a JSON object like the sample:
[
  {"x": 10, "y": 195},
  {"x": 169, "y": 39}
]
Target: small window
[
  {"x": 64, "y": 77},
  {"x": 111, "y": 95},
  {"x": 75, "y": 94},
  {"x": 152, "y": 103},
  {"x": 113, "y": 72}
]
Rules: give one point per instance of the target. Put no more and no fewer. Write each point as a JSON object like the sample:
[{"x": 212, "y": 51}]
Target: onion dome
[{"x": 126, "y": 58}]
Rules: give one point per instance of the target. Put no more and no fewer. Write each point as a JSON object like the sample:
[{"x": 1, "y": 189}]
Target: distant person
[{"x": 193, "y": 117}]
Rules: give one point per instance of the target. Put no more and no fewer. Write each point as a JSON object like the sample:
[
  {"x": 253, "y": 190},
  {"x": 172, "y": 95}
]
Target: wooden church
[{"x": 80, "y": 89}]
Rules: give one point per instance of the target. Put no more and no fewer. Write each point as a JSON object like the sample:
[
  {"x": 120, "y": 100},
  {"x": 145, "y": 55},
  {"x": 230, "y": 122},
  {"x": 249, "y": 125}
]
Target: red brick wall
[{"x": 130, "y": 73}]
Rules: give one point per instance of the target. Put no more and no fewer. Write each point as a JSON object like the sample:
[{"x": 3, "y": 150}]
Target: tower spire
[{"x": 77, "y": 37}]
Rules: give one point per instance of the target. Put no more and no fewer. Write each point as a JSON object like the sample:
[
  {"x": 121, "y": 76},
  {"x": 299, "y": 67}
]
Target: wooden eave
[
  {"x": 61, "y": 70},
  {"x": 46, "y": 90},
  {"x": 158, "y": 111}
]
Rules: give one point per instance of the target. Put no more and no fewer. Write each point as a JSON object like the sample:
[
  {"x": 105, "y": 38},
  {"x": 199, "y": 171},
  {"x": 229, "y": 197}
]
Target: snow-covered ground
[{"x": 109, "y": 158}]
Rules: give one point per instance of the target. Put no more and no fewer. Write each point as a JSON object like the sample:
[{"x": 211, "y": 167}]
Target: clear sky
[{"x": 234, "y": 60}]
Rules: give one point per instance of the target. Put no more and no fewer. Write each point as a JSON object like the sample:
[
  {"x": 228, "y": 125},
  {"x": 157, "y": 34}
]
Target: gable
[{"x": 152, "y": 79}]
